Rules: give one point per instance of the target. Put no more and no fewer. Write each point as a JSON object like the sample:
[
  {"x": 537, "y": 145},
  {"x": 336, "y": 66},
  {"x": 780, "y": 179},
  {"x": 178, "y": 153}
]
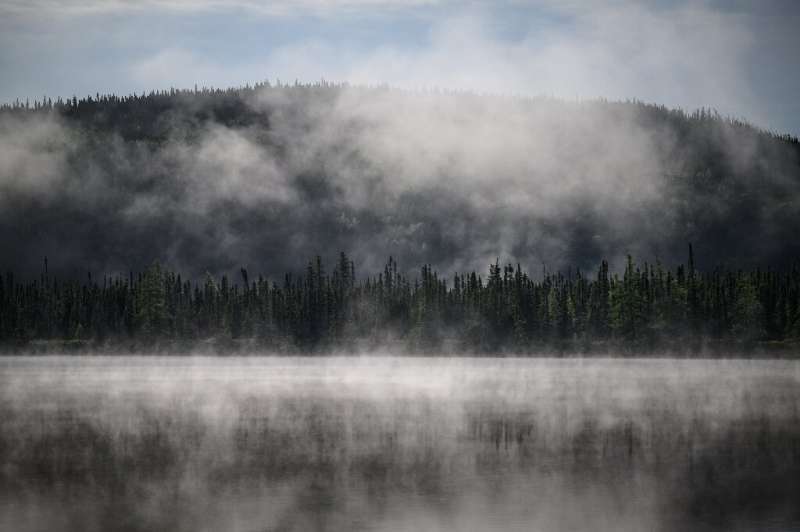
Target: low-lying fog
[{"x": 382, "y": 443}]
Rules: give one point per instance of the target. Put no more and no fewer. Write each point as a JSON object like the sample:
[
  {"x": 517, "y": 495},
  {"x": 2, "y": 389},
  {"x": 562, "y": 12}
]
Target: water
[{"x": 382, "y": 443}]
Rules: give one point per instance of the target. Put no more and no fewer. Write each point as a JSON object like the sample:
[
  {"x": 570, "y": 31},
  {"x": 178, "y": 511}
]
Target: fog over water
[
  {"x": 384, "y": 443},
  {"x": 191, "y": 191}
]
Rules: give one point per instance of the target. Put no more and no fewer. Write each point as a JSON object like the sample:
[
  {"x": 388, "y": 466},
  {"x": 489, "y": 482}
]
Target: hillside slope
[{"x": 265, "y": 177}]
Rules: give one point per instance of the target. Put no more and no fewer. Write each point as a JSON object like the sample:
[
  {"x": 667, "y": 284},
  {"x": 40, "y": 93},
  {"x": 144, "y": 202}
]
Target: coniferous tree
[{"x": 647, "y": 308}]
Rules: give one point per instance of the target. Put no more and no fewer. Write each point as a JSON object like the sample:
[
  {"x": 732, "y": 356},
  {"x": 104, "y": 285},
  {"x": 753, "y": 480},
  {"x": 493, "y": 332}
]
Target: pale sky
[{"x": 736, "y": 56}]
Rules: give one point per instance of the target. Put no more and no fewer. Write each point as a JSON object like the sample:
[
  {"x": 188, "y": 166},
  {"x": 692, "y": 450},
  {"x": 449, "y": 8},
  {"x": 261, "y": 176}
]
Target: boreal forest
[
  {"x": 647, "y": 308},
  {"x": 185, "y": 217}
]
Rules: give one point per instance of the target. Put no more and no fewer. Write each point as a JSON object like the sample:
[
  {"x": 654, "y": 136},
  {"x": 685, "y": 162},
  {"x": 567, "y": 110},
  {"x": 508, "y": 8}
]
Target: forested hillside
[
  {"x": 648, "y": 308},
  {"x": 210, "y": 180}
]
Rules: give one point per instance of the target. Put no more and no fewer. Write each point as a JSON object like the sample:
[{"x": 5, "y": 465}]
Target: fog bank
[{"x": 268, "y": 178}]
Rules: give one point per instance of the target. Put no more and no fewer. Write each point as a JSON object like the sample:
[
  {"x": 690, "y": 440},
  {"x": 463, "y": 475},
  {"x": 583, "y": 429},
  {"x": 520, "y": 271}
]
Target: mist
[
  {"x": 198, "y": 443},
  {"x": 393, "y": 265},
  {"x": 267, "y": 178}
]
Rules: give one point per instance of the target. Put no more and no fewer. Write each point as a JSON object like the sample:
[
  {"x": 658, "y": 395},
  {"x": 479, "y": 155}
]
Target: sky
[{"x": 738, "y": 57}]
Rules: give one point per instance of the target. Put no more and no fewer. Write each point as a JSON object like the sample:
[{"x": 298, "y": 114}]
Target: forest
[
  {"x": 648, "y": 308},
  {"x": 266, "y": 176},
  {"x": 190, "y": 190}
]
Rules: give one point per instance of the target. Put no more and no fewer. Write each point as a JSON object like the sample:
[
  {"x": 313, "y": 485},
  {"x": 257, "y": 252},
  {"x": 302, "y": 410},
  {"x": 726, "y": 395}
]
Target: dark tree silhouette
[{"x": 647, "y": 308}]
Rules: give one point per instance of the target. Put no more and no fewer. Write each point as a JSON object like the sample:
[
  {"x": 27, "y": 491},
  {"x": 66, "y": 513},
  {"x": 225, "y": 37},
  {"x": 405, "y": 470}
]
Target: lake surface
[{"x": 382, "y": 443}]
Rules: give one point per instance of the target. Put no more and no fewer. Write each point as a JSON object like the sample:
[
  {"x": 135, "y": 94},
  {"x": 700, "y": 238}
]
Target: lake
[{"x": 390, "y": 443}]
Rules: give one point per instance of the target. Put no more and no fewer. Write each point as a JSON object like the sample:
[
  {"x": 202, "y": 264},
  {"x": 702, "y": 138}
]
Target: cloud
[
  {"x": 685, "y": 56},
  {"x": 173, "y": 67},
  {"x": 263, "y": 7},
  {"x": 735, "y": 57}
]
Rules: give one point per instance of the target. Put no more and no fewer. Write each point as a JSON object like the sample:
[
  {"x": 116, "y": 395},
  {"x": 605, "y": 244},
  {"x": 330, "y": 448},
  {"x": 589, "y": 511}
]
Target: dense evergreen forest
[
  {"x": 645, "y": 309},
  {"x": 267, "y": 175},
  {"x": 207, "y": 180}
]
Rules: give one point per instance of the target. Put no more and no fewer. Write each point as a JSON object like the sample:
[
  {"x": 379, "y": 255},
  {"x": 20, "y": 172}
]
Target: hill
[{"x": 265, "y": 177}]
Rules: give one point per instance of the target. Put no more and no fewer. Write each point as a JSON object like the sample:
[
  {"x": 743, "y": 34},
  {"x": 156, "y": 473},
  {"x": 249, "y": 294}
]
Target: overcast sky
[{"x": 739, "y": 57}]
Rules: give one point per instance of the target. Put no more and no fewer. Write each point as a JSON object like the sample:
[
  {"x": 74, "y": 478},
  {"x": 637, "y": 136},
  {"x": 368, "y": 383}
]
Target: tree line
[
  {"x": 644, "y": 308},
  {"x": 136, "y": 116}
]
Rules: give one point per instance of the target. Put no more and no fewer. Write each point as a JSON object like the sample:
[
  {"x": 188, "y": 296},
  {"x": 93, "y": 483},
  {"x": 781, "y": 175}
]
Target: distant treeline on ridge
[
  {"x": 269, "y": 174},
  {"x": 647, "y": 308}
]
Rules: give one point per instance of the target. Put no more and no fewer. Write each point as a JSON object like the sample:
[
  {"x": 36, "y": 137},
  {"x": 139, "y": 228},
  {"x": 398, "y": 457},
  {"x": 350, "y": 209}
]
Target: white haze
[
  {"x": 735, "y": 56},
  {"x": 680, "y": 54},
  {"x": 457, "y": 180},
  {"x": 416, "y": 415}
]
